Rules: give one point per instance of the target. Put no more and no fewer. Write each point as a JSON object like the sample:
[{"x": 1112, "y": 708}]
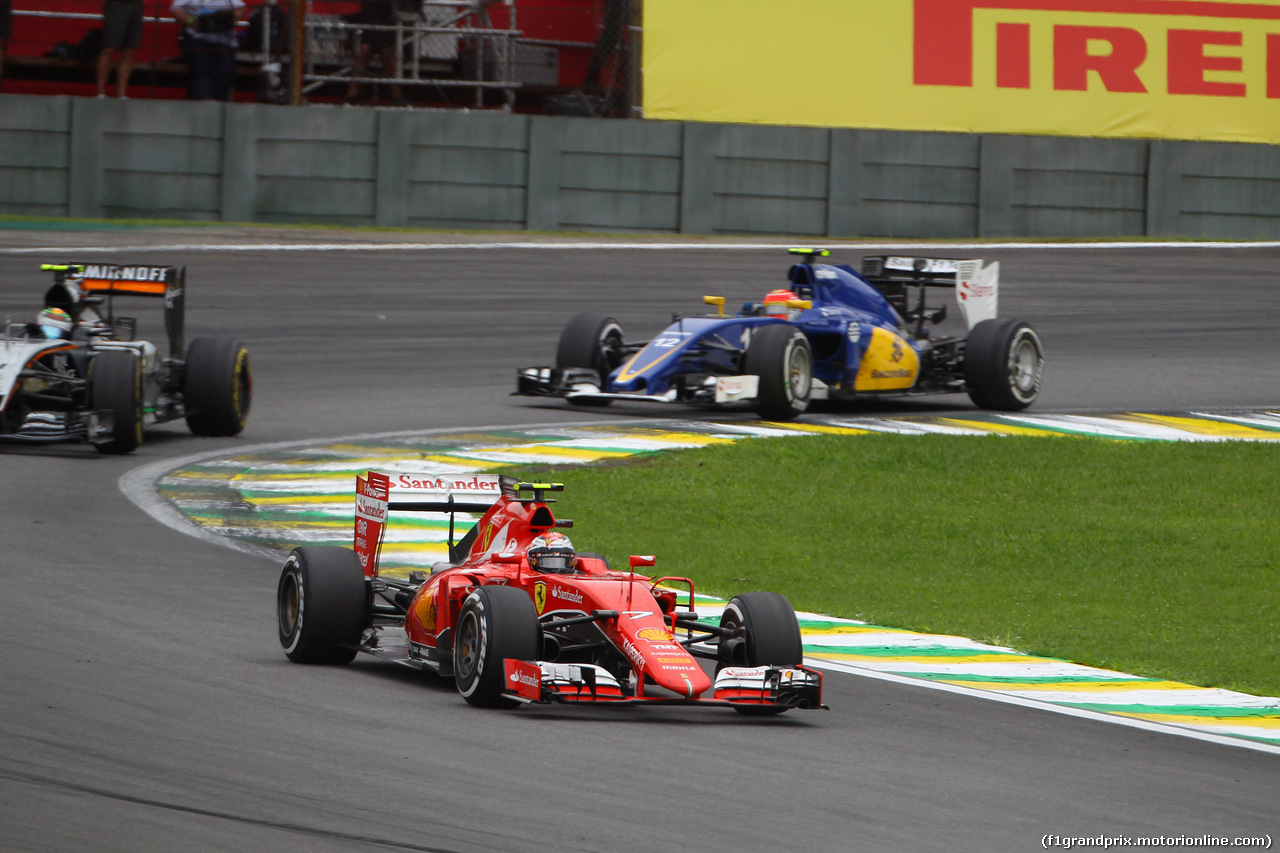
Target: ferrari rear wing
[
  {"x": 379, "y": 493},
  {"x": 977, "y": 286}
]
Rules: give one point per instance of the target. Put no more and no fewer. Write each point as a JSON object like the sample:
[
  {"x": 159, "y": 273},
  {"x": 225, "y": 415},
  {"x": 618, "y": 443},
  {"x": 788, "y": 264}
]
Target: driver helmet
[
  {"x": 775, "y": 304},
  {"x": 55, "y": 323},
  {"x": 552, "y": 553}
]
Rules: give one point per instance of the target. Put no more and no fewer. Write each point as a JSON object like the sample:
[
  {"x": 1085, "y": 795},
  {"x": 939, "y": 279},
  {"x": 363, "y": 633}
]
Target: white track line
[{"x": 1024, "y": 702}]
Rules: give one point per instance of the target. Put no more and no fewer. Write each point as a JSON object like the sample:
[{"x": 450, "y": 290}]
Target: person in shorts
[
  {"x": 381, "y": 13},
  {"x": 121, "y": 31}
]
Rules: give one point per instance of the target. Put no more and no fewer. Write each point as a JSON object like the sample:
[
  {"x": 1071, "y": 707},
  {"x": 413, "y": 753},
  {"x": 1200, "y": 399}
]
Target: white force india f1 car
[{"x": 92, "y": 381}]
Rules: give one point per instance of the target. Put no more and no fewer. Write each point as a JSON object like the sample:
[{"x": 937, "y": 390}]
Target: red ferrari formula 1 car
[{"x": 512, "y": 628}]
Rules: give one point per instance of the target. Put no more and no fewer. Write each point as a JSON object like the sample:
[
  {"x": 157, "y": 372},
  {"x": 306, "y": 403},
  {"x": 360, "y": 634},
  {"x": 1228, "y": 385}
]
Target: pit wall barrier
[{"x": 108, "y": 158}]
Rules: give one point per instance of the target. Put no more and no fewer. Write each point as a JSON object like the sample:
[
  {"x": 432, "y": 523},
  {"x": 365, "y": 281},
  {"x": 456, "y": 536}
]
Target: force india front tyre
[
  {"x": 770, "y": 637},
  {"x": 592, "y": 341},
  {"x": 115, "y": 383},
  {"x": 321, "y": 604},
  {"x": 217, "y": 389},
  {"x": 1003, "y": 365},
  {"x": 495, "y": 623},
  {"x": 781, "y": 356}
]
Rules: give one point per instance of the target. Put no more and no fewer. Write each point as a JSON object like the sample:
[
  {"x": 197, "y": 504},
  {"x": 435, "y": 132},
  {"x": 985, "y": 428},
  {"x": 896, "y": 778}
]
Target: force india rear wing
[
  {"x": 76, "y": 286},
  {"x": 379, "y": 494},
  {"x": 977, "y": 287}
]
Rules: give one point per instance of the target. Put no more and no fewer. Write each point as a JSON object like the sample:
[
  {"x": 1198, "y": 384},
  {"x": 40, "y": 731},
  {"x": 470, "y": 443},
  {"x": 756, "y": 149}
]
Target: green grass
[{"x": 1154, "y": 558}]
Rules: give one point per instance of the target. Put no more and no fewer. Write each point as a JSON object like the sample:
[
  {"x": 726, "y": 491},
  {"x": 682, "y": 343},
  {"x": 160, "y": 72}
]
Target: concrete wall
[{"x": 85, "y": 157}]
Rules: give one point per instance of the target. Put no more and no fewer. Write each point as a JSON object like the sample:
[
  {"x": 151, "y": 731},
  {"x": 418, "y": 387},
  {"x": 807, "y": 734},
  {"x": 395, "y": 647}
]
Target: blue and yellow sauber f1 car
[{"x": 833, "y": 333}]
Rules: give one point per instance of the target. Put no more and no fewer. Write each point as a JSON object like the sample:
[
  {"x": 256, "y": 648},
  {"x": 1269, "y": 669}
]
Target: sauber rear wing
[
  {"x": 78, "y": 285},
  {"x": 977, "y": 287},
  {"x": 379, "y": 493}
]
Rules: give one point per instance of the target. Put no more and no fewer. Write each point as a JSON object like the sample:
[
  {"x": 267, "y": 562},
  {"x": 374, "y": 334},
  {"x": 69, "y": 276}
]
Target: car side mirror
[{"x": 645, "y": 560}]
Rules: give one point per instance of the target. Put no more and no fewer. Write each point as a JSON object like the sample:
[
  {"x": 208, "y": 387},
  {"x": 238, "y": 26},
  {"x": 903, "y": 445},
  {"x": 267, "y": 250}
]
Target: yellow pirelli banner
[{"x": 1175, "y": 69}]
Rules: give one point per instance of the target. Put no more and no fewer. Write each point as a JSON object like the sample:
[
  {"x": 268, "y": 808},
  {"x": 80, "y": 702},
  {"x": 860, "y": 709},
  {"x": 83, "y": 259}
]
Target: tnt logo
[{"x": 1198, "y": 60}]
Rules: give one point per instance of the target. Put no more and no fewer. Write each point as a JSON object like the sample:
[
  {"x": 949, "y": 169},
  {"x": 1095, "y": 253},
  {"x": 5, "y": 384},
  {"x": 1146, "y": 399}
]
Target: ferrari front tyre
[
  {"x": 321, "y": 604},
  {"x": 1003, "y": 365},
  {"x": 115, "y": 383},
  {"x": 770, "y": 637},
  {"x": 781, "y": 356},
  {"x": 496, "y": 622},
  {"x": 217, "y": 389},
  {"x": 593, "y": 341}
]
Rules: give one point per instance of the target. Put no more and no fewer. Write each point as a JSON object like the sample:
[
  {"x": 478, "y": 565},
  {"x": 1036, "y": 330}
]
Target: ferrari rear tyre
[
  {"x": 771, "y": 638},
  {"x": 1003, "y": 365},
  {"x": 496, "y": 622},
  {"x": 115, "y": 383},
  {"x": 218, "y": 387},
  {"x": 322, "y": 604},
  {"x": 781, "y": 356},
  {"x": 593, "y": 341}
]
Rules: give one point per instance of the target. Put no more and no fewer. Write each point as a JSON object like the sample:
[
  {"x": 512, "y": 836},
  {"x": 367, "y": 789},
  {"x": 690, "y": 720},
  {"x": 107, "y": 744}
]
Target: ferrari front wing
[{"x": 767, "y": 686}]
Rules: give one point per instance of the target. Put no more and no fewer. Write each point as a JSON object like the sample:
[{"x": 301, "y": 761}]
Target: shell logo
[{"x": 653, "y": 634}]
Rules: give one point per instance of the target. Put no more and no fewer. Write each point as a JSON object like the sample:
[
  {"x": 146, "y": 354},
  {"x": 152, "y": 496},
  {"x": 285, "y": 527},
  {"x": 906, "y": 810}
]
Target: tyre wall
[{"x": 84, "y": 157}]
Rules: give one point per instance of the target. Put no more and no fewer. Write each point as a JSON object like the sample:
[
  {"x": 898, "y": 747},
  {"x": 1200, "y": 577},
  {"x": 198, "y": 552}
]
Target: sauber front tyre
[
  {"x": 592, "y": 341},
  {"x": 781, "y": 356}
]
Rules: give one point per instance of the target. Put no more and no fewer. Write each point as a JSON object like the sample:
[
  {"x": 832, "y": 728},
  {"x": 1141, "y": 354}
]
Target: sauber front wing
[{"x": 582, "y": 384}]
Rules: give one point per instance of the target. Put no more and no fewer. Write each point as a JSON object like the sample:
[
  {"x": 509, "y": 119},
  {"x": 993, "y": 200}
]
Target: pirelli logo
[{"x": 1176, "y": 47}]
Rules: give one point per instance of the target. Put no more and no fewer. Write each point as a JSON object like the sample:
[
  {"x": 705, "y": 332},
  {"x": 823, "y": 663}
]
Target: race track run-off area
[{"x": 270, "y": 498}]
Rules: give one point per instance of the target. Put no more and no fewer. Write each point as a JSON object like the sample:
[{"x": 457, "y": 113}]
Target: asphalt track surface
[{"x": 145, "y": 704}]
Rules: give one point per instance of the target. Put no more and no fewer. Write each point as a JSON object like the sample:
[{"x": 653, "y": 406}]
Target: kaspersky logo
[{"x": 1097, "y": 42}]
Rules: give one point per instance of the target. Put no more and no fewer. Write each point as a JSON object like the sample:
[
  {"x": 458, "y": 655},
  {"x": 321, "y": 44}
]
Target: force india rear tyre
[
  {"x": 593, "y": 341},
  {"x": 115, "y": 383},
  {"x": 321, "y": 604},
  {"x": 1003, "y": 365},
  {"x": 496, "y": 622},
  {"x": 781, "y": 356},
  {"x": 771, "y": 638},
  {"x": 217, "y": 389}
]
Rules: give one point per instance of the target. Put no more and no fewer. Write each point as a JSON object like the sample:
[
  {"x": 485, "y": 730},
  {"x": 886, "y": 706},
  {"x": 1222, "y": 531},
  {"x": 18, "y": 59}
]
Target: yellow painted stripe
[
  {"x": 585, "y": 454},
  {"x": 859, "y": 629},
  {"x": 819, "y": 428},
  {"x": 478, "y": 464},
  {"x": 999, "y": 428},
  {"x": 345, "y": 499},
  {"x": 1110, "y": 686},
  {"x": 1240, "y": 722},
  {"x": 1201, "y": 426},
  {"x": 940, "y": 659}
]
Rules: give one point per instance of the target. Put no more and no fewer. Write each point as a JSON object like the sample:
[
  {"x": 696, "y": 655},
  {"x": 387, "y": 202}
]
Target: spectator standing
[
  {"x": 121, "y": 31},
  {"x": 6, "y": 21},
  {"x": 382, "y": 13},
  {"x": 209, "y": 45}
]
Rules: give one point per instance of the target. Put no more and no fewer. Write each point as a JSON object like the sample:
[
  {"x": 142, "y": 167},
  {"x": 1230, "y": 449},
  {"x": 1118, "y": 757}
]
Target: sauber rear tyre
[
  {"x": 321, "y": 604},
  {"x": 781, "y": 356},
  {"x": 771, "y": 638},
  {"x": 218, "y": 387},
  {"x": 1003, "y": 365},
  {"x": 115, "y": 383},
  {"x": 594, "y": 341},
  {"x": 496, "y": 622}
]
